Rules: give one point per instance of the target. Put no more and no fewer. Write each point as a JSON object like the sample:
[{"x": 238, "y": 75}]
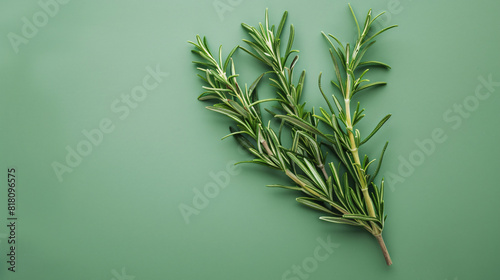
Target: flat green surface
[{"x": 117, "y": 215}]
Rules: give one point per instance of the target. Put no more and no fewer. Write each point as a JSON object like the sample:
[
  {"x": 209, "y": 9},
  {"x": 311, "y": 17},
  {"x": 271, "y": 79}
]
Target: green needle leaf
[
  {"x": 295, "y": 188},
  {"x": 322, "y": 93},
  {"x": 379, "y": 125},
  {"x": 337, "y": 220},
  {"x": 373, "y": 63},
  {"x": 378, "y": 33},
  {"x": 355, "y": 20},
  {"x": 380, "y": 160},
  {"x": 311, "y": 202},
  {"x": 370, "y": 85},
  {"x": 360, "y": 217}
]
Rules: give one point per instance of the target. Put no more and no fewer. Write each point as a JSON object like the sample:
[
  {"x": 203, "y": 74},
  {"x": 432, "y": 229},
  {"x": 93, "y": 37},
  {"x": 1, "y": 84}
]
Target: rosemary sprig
[
  {"x": 266, "y": 45},
  {"x": 352, "y": 198}
]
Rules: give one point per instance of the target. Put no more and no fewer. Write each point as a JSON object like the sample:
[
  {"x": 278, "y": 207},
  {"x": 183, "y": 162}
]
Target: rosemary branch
[{"x": 352, "y": 198}]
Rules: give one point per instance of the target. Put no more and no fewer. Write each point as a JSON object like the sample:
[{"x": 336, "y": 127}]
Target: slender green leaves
[{"x": 340, "y": 191}]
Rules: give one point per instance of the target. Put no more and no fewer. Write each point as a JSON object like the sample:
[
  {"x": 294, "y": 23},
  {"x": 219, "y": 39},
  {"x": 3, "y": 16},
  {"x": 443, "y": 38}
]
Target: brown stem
[
  {"x": 322, "y": 167},
  {"x": 266, "y": 147},
  {"x": 384, "y": 249}
]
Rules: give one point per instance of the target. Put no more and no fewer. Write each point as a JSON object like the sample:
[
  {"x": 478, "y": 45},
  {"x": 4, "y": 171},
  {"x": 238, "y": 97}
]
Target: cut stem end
[{"x": 384, "y": 249}]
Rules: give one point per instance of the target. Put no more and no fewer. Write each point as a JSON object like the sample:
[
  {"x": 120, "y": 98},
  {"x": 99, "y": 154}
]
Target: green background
[{"x": 117, "y": 214}]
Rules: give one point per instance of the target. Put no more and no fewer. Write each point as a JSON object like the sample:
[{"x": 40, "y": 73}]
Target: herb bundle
[{"x": 347, "y": 192}]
